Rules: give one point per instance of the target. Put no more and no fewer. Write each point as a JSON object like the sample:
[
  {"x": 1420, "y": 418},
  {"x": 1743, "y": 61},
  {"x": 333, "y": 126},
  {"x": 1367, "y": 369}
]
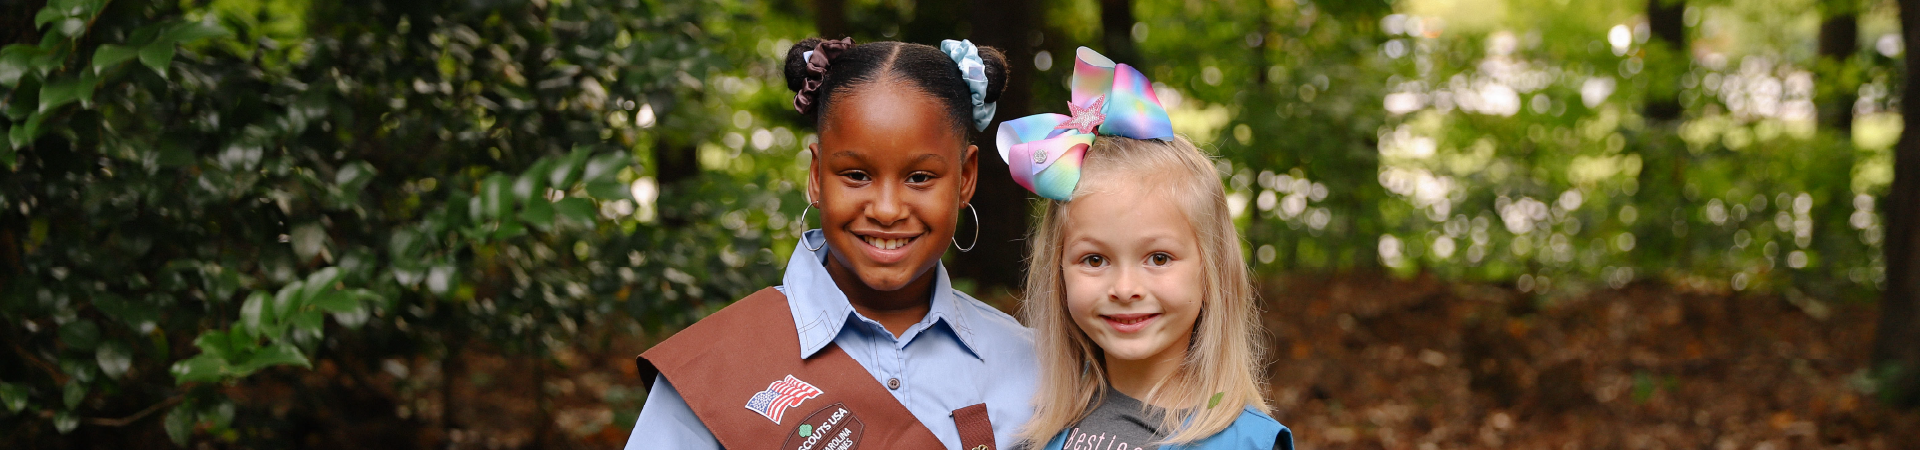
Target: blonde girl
[{"x": 1137, "y": 291}]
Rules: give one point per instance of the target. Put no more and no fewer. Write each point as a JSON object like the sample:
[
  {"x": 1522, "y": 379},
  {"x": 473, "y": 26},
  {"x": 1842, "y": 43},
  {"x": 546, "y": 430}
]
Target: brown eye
[
  {"x": 1094, "y": 261},
  {"x": 1160, "y": 259},
  {"x": 857, "y": 176},
  {"x": 919, "y": 178}
]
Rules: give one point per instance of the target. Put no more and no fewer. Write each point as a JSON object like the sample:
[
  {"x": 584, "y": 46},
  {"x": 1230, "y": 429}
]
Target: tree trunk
[
  {"x": 1668, "y": 23},
  {"x": 830, "y": 18},
  {"x": 1000, "y": 203},
  {"x": 1663, "y": 176},
  {"x": 1257, "y": 233},
  {"x": 673, "y": 163},
  {"x": 1839, "y": 38},
  {"x": 1837, "y": 88},
  {"x": 1116, "y": 28},
  {"x": 1898, "y": 338}
]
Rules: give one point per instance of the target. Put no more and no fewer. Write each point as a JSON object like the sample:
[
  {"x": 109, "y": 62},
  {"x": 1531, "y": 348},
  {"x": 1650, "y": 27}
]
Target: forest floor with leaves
[
  {"x": 1357, "y": 361},
  {"x": 1370, "y": 362}
]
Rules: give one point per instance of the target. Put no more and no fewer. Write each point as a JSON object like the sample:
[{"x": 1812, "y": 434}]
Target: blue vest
[{"x": 1253, "y": 430}]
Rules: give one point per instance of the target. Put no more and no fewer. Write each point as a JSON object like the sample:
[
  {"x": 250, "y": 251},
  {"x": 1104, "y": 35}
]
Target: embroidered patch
[
  {"x": 831, "y": 428},
  {"x": 779, "y": 396}
]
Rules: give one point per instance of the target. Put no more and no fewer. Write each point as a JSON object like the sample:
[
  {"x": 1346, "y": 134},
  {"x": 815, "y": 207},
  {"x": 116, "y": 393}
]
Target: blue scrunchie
[{"x": 974, "y": 72}]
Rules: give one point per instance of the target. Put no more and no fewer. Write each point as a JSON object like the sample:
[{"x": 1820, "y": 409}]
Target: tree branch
[{"x": 129, "y": 420}]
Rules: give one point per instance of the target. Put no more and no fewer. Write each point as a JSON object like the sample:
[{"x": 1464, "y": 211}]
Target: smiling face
[
  {"x": 890, "y": 175},
  {"x": 1133, "y": 272}
]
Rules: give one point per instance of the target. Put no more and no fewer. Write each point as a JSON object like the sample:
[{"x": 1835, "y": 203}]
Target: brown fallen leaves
[{"x": 1377, "y": 362}]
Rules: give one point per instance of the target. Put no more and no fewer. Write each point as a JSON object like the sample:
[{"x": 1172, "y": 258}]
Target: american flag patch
[{"x": 779, "y": 396}]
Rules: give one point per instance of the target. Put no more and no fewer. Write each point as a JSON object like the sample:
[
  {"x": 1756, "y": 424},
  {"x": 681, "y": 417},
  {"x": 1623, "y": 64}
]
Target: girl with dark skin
[
  {"x": 890, "y": 186},
  {"x": 892, "y": 175}
]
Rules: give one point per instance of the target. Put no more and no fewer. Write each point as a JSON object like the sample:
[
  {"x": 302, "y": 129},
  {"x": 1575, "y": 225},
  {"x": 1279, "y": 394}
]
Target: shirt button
[{"x": 893, "y": 383}]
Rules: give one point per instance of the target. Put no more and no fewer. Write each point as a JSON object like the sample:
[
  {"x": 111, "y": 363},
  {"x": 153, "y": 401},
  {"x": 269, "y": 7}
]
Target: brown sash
[{"x": 738, "y": 370}]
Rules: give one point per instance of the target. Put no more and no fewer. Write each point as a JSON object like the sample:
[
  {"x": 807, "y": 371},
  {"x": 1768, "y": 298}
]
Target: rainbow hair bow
[{"x": 1044, "y": 150}]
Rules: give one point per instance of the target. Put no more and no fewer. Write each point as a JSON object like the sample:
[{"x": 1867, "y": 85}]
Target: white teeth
[{"x": 885, "y": 244}]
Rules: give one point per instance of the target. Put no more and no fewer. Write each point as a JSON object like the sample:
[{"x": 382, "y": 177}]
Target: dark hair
[{"x": 922, "y": 66}]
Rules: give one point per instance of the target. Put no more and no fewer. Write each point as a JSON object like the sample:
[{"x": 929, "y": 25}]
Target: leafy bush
[{"x": 193, "y": 191}]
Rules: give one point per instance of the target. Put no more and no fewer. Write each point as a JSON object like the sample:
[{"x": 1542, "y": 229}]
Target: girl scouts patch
[
  {"x": 779, "y": 396},
  {"x": 830, "y": 428}
]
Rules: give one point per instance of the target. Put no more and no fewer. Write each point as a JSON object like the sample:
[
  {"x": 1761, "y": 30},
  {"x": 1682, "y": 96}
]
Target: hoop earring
[
  {"x": 976, "y": 231},
  {"x": 803, "y": 224}
]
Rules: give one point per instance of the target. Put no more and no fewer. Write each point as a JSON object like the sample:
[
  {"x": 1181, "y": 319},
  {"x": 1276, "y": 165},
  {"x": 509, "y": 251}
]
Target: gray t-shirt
[
  {"x": 1119, "y": 423},
  {"x": 1124, "y": 423}
]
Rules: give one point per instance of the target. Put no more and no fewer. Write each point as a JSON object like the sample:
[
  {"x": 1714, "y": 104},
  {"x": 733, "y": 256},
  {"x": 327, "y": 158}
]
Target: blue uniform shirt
[{"x": 962, "y": 353}]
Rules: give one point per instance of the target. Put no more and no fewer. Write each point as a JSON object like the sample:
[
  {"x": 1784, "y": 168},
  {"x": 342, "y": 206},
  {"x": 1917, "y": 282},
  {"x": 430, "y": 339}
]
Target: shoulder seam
[{"x": 1249, "y": 410}]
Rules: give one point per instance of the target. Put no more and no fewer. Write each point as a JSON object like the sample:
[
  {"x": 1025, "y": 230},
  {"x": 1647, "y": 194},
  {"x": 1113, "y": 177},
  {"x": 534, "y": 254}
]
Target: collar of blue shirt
[{"x": 821, "y": 310}]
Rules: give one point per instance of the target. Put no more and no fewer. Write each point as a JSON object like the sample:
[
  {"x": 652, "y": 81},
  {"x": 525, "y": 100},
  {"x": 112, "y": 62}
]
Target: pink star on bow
[{"x": 1085, "y": 120}]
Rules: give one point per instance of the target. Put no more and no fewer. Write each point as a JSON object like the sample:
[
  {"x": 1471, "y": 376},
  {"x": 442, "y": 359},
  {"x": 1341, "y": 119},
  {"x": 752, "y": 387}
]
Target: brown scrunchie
[{"x": 817, "y": 72}]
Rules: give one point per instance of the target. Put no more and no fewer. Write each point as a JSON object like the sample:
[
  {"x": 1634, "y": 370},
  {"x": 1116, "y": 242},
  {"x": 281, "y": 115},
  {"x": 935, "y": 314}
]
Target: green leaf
[
  {"x": 14, "y": 396},
  {"x": 15, "y": 61},
  {"x": 220, "y": 415},
  {"x": 220, "y": 344},
  {"x": 253, "y": 313},
  {"x": 494, "y": 200},
  {"x": 81, "y": 334},
  {"x": 62, "y": 91},
  {"x": 74, "y": 27},
  {"x": 354, "y": 176},
  {"x": 65, "y": 421},
  {"x": 1215, "y": 401},
  {"x": 134, "y": 313},
  {"x": 72, "y": 393},
  {"x": 82, "y": 370},
  {"x": 21, "y": 136},
  {"x": 179, "y": 424},
  {"x": 109, "y": 55},
  {"x": 189, "y": 32},
  {"x": 1643, "y": 387},
  {"x": 202, "y": 368},
  {"x": 284, "y": 304},
  {"x": 528, "y": 186},
  {"x": 308, "y": 239},
  {"x": 336, "y": 301},
  {"x": 157, "y": 55},
  {"x": 539, "y": 213},
  {"x": 563, "y": 171},
  {"x": 442, "y": 279},
  {"x": 319, "y": 281},
  {"x": 576, "y": 209},
  {"x": 309, "y": 320},
  {"x": 48, "y": 15},
  {"x": 114, "y": 358},
  {"x": 352, "y": 319},
  {"x": 221, "y": 283},
  {"x": 509, "y": 229},
  {"x": 274, "y": 355},
  {"x": 608, "y": 190},
  {"x": 604, "y": 167}
]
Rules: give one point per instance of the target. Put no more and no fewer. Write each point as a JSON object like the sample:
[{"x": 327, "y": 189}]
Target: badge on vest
[
  {"x": 779, "y": 396},
  {"x": 830, "y": 428}
]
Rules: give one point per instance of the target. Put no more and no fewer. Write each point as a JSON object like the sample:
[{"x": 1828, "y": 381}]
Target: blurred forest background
[{"x": 435, "y": 223}]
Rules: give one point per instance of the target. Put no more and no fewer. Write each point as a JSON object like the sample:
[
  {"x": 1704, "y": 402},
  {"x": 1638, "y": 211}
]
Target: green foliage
[
  {"x": 1505, "y": 141},
  {"x": 193, "y": 196}
]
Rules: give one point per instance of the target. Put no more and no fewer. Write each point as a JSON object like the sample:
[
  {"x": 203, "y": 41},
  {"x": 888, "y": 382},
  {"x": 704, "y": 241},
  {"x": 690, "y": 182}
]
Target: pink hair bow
[{"x": 1043, "y": 151}]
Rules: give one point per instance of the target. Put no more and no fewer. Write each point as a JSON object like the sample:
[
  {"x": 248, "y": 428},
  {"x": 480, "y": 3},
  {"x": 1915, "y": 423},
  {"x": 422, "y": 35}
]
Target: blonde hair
[{"x": 1224, "y": 355}]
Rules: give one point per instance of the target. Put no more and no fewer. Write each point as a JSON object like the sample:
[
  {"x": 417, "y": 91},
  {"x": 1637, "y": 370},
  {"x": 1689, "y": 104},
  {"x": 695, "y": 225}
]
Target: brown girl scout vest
[{"x": 737, "y": 370}]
